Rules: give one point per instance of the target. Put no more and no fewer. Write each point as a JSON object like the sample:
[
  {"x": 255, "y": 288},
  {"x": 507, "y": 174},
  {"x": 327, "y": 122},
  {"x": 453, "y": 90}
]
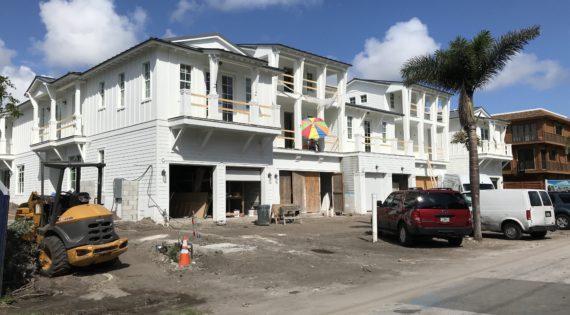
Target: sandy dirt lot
[{"x": 240, "y": 267}]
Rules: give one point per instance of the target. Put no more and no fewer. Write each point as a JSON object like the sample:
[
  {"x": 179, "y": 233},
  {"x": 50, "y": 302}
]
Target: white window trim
[
  {"x": 102, "y": 95},
  {"x": 350, "y": 135},
  {"x": 20, "y": 188},
  {"x": 190, "y": 72},
  {"x": 121, "y": 95},
  {"x": 144, "y": 82}
]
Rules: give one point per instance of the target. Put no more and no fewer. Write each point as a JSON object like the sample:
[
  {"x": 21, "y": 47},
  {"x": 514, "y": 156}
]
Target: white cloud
[
  {"x": 186, "y": 6},
  {"x": 20, "y": 76},
  {"x": 169, "y": 33},
  {"x": 528, "y": 69},
  {"x": 382, "y": 59},
  {"x": 84, "y": 32}
]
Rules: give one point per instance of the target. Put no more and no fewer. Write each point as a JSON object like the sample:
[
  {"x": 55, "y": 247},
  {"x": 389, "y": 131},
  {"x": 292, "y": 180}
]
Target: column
[
  {"x": 52, "y": 117},
  {"x": 434, "y": 147},
  {"x": 445, "y": 119},
  {"x": 77, "y": 110},
  {"x": 408, "y": 145},
  {"x": 297, "y": 112},
  {"x": 274, "y": 62},
  {"x": 269, "y": 186},
  {"x": 421, "y": 139},
  {"x": 3, "y": 135},
  {"x": 342, "y": 79},
  {"x": 35, "y": 119},
  {"x": 219, "y": 193},
  {"x": 321, "y": 83},
  {"x": 213, "y": 111},
  {"x": 422, "y": 107}
]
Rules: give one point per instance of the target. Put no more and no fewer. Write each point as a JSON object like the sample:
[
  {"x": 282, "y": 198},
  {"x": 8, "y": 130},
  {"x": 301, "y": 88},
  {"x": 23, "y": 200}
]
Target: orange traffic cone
[{"x": 184, "y": 259}]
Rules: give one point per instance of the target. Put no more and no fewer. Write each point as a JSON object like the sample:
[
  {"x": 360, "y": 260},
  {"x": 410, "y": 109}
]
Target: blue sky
[{"x": 56, "y": 36}]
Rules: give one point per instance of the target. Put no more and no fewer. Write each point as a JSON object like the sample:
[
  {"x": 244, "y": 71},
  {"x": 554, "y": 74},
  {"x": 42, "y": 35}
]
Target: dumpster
[{"x": 263, "y": 215}]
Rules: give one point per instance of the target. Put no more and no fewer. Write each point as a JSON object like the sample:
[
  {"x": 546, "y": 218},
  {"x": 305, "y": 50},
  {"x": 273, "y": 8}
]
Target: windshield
[
  {"x": 441, "y": 200},
  {"x": 482, "y": 186}
]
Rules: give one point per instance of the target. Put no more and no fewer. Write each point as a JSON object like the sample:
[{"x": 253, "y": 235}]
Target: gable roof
[
  {"x": 390, "y": 82},
  {"x": 190, "y": 38},
  {"x": 382, "y": 111},
  {"x": 341, "y": 63},
  {"x": 530, "y": 114}
]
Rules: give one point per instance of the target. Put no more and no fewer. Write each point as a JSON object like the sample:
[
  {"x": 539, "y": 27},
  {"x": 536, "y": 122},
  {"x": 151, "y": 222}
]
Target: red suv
[{"x": 427, "y": 213}]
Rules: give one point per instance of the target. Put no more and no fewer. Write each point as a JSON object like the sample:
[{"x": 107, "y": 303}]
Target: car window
[
  {"x": 467, "y": 187},
  {"x": 545, "y": 199},
  {"x": 441, "y": 200},
  {"x": 565, "y": 198},
  {"x": 534, "y": 199},
  {"x": 396, "y": 200},
  {"x": 389, "y": 200},
  {"x": 411, "y": 199}
]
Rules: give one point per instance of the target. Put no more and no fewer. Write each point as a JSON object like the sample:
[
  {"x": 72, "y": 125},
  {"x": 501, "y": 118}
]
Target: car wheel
[
  {"x": 53, "y": 257},
  {"x": 456, "y": 241},
  {"x": 404, "y": 236},
  {"x": 512, "y": 231},
  {"x": 562, "y": 222},
  {"x": 538, "y": 235}
]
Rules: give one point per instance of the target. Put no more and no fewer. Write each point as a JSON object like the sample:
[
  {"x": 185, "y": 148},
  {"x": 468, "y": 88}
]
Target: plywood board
[
  {"x": 338, "y": 193},
  {"x": 189, "y": 204},
  {"x": 298, "y": 188},
  {"x": 312, "y": 192},
  {"x": 285, "y": 184}
]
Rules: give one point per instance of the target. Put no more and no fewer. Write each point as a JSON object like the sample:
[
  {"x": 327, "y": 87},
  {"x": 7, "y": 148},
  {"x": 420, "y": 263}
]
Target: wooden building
[{"x": 541, "y": 148}]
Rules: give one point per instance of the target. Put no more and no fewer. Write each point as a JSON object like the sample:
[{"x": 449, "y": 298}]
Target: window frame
[
  {"x": 146, "y": 80},
  {"x": 384, "y": 131},
  {"x": 392, "y": 100},
  {"x": 121, "y": 85},
  {"x": 102, "y": 95},
  {"x": 187, "y": 79},
  {"x": 21, "y": 179},
  {"x": 352, "y": 100},
  {"x": 349, "y": 126},
  {"x": 248, "y": 89},
  {"x": 364, "y": 98}
]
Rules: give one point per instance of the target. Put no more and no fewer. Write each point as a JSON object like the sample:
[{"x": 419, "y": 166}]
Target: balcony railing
[
  {"x": 414, "y": 110},
  {"x": 64, "y": 128},
  {"x": 286, "y": 83},
  {"x": 556, "y": 167},
  {"x": 287, "y": 141},
  {"x": 484, "y": 147},
  {"x": 427, "y": 113},
  {"x": 197, "y": 105},
  {"x": 538, "y": 136},
  {"x": 439, "y": 116}
]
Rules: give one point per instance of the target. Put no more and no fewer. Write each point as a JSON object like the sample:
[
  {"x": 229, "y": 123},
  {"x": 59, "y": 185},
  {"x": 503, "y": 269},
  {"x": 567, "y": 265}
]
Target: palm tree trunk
[{"x": 467, "y": 120}]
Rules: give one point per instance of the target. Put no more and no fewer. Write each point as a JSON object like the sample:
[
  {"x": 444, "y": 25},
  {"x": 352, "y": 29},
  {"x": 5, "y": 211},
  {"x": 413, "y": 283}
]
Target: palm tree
[{"x": 468, "y": 65}]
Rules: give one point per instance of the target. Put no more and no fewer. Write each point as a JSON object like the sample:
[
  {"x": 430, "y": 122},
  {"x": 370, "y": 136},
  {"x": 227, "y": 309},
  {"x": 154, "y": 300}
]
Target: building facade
[
  {"x": 198, "y": 124},
  {"x": 540, "y": 144},
  {"x": 494, "y": 153}
]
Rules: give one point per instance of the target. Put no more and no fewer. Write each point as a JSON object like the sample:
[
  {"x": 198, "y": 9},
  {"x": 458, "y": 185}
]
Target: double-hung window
[
  {"x": 121, "y": 90},
  {"x": 383, "y": 131},
  {"x": 146, "y": 77},
  {"x": 363, "y": 99},
  {"x": 185, "y": 77},
  {"x": 349, "y": 127},
  {"x": 352, "y": 100},
  {"x": 392, "y": 100},
  {"x": 101, "y": 94},
  {"x": 21, "y": 169},
  {"x": 247, "y": 90}
]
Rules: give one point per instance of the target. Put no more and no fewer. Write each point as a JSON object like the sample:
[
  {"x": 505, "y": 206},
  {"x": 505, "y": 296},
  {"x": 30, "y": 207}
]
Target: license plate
[
  {"x": 548, "y": 214},
  {"x": 444, "y": 219}
]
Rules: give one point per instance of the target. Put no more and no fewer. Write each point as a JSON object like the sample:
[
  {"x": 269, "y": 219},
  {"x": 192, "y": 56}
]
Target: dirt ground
[{"x": 238, "y": 266}]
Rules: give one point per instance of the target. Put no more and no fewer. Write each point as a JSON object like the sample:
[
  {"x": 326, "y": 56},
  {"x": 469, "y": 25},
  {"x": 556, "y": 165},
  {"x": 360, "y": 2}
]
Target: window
[
  {"x": 568, "y": 157},
  {"x": 526, "y": 158},
  {"x": 484, "y": 134},
  {"x": 146, "y": 75},
  {"x": 101, "y": 94},
  {"x": 441, "y": 200},
  {"x": 247, "y": 90},
  {"x": 411, "y": 200},
  {"x": 534, "y": 199},
  {"x": 525, "y": 132},
  {"x": 367, "y": 134},
  {"x": 565, "y": 198},
  {"x": 558, "y": 130},
  {"x": 207, "y": 79},
  {"x": 545, "y": 199},
  {"x": 363, "y": 98},
  {"x": 389, "y": 200},
  {"x": 185, "y": 76},
  {"x": 352, "y": 100},
  {"x": 392, "y": 100},
  {"x": 20, "y": 179},
  {"x": 552, "y": 155},
  {"x": 73, "y": 172},
  {"x": 121, "y": 90},
  {"x": 383, "y": 130},
  {"x": 349, "y": 127}
]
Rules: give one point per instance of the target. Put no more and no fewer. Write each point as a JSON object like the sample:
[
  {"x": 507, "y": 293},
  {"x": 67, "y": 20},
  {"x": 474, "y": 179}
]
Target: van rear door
[
  {"x": 548, "y": 208},
  {"x": 537, "y": 214}
]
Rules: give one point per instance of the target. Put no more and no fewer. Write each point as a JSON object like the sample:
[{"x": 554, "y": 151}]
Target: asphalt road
[{"x": 533, "y": 280}]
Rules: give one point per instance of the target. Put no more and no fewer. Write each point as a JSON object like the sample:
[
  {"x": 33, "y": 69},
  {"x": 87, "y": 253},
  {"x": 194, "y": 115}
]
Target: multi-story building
[
  {"x": 541, "y": 148},
  {"x": 198, "y": 123},
  {"x": 396, "y": 138},
  {"x": 494, "y": 153}
]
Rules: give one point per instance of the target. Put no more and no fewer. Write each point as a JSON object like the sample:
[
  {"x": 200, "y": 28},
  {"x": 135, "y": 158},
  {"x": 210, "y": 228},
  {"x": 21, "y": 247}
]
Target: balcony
[
  {"x": 544, "y": 167},
  {"x": 414, "y": 110},
  {"x": 485, "y": 149},
  {"x": 201, "y": 110},
  {"x": 286, "y": 140},
  {"x": 66, "y": 131},
  {"x": 538, "y": 137},
  {"x": 286, "y": 84},
  {"x": 6, "y": 150},
  {"x": 556, "y": 167}
]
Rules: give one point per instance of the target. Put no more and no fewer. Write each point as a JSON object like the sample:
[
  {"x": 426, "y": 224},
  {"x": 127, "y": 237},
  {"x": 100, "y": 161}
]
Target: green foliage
[
  {"x": 7, "y": 100},
  {"x": 21, "y": 253},
  {"x": 462, "y": 137}
]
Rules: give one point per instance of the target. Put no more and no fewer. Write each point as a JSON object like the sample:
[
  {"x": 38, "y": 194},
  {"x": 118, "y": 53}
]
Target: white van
[
  {"x": 461, "y": 183},
  {"x": 517, "y": 211}
]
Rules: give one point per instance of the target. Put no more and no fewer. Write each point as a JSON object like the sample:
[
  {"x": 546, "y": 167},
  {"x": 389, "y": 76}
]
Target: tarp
[{"x": 558, "y": 185}]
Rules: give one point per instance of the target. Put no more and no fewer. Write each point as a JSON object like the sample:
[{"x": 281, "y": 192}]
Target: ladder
[{"x": 429, "y": 170}]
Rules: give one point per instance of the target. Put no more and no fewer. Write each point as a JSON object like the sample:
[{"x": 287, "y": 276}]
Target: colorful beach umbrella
[{"x": 314, "y": 128}]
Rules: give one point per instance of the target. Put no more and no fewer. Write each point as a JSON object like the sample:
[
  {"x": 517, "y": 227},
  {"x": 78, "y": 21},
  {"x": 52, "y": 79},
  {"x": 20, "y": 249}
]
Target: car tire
[
  {"x": 404, "y": 236},
  {"x": 538, "y": 235},
  {"x": 456, "y": 241},
  {"x": 53, "y": 257},
  {"x": 563, "y": 222},
  {"x": 512, "y": 231}
]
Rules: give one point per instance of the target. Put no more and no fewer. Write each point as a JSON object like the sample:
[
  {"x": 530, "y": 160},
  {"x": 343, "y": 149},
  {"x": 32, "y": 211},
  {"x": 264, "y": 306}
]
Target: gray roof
[
  {"x": 292, "y": 48},
  {"x": 383, "y": 111},
  {"x": 388, "y": 82}
]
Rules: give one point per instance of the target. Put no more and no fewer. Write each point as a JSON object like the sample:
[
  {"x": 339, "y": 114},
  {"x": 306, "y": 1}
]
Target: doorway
[
  {"x": 190, "y": 191},
  {"x": 399, "y": 182},
  {"x": 289, "y": 132},
  {"x": 228, "y": 94}
]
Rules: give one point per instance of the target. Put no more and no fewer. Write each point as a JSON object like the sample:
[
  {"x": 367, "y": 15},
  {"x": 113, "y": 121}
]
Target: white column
[
  {"x": 297, "y": 112},
  {"x": 3, "y": 135},
  {"x": 268, "y": 183},
  {"x": 445, "y": 119},
  {"x": 35, "y": 120},
  {"x": 274, "y": 62},
  {"x": 422, "y": 107},
  {"x": 433, "y": 140},
  {"x": 219, "y": 193},
  {"x": 408, "y": 145},
  {"x": 77, "y": 110},
  {"x": 342, "y": 80},
  {"x": 52, "y": 117},
  {"x": 213, "y": 112},
  {"x": 321, "y": 82},
  {"x": 421, "y": 139}
]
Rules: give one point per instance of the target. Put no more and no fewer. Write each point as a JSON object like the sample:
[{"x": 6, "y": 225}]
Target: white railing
[
  {"x": 199, "y": 105},
  {"x": 414, "y": 110},
  {"x": 484, "y": 147},
  {"x": 66, "y": 127},
  {"x": 286, "y": 140},
  {"x": 43, "y": 133}
]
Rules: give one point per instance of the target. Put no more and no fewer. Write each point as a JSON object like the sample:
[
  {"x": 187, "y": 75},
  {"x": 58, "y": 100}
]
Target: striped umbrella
[{"x": 314, "y": 128}]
